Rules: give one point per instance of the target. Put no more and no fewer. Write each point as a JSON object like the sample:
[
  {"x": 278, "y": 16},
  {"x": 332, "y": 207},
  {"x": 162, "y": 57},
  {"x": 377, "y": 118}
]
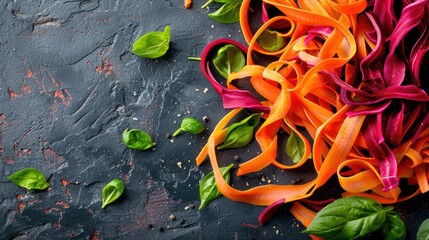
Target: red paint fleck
[
  {"x": 95, "y": 235},
  {"x": 64, "y": 182},
  {"x": 62, "y": 204},
  {"x": 12, "y": 94},
  {"x": 49, "y": 210},
  {"x": 52, "y": 157},
  {"x": 126, "y": 178},
  {"x": 54, "y": 82},
  {"x": 21, "y": 206},
  {"x": 26, "y": 88},
  {"x": 106, "y": 67},
  {"x": 59, "y": 94},
  {"x": 9, "y": 160},
  {"x": 29, "y": 74},
  {"x": 249, "y": 225},
  {"x": 19, "y": 196}
]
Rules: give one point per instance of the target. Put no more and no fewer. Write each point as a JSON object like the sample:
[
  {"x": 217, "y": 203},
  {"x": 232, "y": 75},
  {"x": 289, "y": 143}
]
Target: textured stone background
[{"x": 69, "y": 86}]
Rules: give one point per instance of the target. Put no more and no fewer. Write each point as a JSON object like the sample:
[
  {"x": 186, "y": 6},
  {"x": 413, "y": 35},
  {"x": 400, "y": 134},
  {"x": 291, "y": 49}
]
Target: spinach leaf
[
  {"x": 393, "y": 227},
  {"x": 112, "y": 191},
  {"x": 229, "y": 1},
  {"x": 29, "y": 178},
  {"x": 295, "y": 147},
  {"x": 208, "y": 188},
  {"x": 423, "y": 232},
  {"x": 348, "y": 218},
  {"x": 241, "y": 133},
  {"x": 152, "y": 44},
  {"x": 271, "y": 41},
  {"x": 229, "y": 59},
  {"x": 228, "y": 13},
  {"x": 137, "y": 139},
  {"x": 190, "y": 125}
]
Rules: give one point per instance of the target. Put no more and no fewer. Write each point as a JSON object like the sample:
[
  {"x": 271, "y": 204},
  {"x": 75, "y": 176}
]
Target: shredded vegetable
[{"x": 348, "y": 81}]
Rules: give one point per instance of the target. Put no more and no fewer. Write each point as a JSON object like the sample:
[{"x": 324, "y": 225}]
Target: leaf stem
[
  {"x": 207, "y": 3},
  {"x": 194, "y": 58},
  {"x": 177, "y": 132}
]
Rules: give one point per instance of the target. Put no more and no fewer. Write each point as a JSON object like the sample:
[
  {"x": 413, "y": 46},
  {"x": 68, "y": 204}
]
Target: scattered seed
[
  {"x": 172, "y": 217},
  {"x": 237, "y": 158},
  {"x": 205, "y": 119},
  {"x": 179, "y": 164}
]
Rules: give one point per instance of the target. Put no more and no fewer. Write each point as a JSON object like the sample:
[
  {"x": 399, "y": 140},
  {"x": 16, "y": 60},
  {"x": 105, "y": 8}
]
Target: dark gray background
[{"x": 69, "y": 86}]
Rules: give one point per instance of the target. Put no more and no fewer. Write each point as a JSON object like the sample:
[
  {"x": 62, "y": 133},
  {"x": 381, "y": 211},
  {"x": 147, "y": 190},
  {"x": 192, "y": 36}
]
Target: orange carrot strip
[
  {"x": 187, "y": 3},
  {"x": 304, "y": 215},
  {"x": 422, "y": 178}
]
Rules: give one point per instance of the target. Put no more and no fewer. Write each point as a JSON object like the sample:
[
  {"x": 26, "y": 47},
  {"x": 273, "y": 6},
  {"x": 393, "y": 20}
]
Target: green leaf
[
  {"x": 190, "y": 125},
  {"x": 208, "y": 188},
  {"x": 152, "y": 44},
  {"x": 229, "y": 1},
  {"x": 137, "y": 139},
  {"x": 295, "y": 147},
  {"x": 271, "y": 41},
  {"x": 348, "y": 218},
  {"x": 228, "y": 13},
  {"x": 393, "y": 227},
  {"x": 241, "y": 133},
  {"x": 29, "y": 178},
  {"x": 229, "y": 59},
  {"x": 238, "y": 138},
  {"x": 423, "y": 232},
  {"x": 112, "y": 191}
]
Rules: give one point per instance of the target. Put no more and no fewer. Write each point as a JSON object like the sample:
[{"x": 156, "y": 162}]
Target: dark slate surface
[{"x": 69, "y": 86}]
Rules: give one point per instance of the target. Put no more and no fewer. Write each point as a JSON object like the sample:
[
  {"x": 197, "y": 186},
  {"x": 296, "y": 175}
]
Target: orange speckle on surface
[
  {"x": 26, "y": 88},
  {"x": 12, "y": 94},
  {"x": 21, "y": 206},
  {"x": 95, "y": 235},
  {"x": 29, "y": 74},
  {"x": 64, "y": 182},
  {"x": 59, "y": 94},
  {"x": 106, "y": 67},
  {"x": 9, "y": 160},
  {"x": 62, "y": 204}
]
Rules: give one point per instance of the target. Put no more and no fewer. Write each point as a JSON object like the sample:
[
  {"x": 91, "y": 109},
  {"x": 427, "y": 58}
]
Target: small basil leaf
[
  {"x": 423, "y": 232},
  {"x": 393, "y": 227},
  {"x": 348, "y": 218},
  {"x": 112, "y": 191},
  {"x": 229, "y": 59},
  {"x": 252, "y": 120},
  {"x": 152, "y": 44},
  {"x": 137, "y": 139},
  {"x": 29, "y": 178},
  {"x": 239, "y": 137},
  {"x": 228, "y": 13},
  {"x": 241, "y": 133},
  {"x": 190, "y": 125},
  {"x": 295, "y": 147},
  {"x": 271, "y": 41},
  {"x": 229, "y": 1},
  {"x": 208, "y": 188}
]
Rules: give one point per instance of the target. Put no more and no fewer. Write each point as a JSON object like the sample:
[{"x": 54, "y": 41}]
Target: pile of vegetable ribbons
[{"x": 345, "y": 78}]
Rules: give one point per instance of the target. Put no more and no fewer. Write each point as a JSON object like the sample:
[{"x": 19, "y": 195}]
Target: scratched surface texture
[{"x": 69, "y": 86}]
